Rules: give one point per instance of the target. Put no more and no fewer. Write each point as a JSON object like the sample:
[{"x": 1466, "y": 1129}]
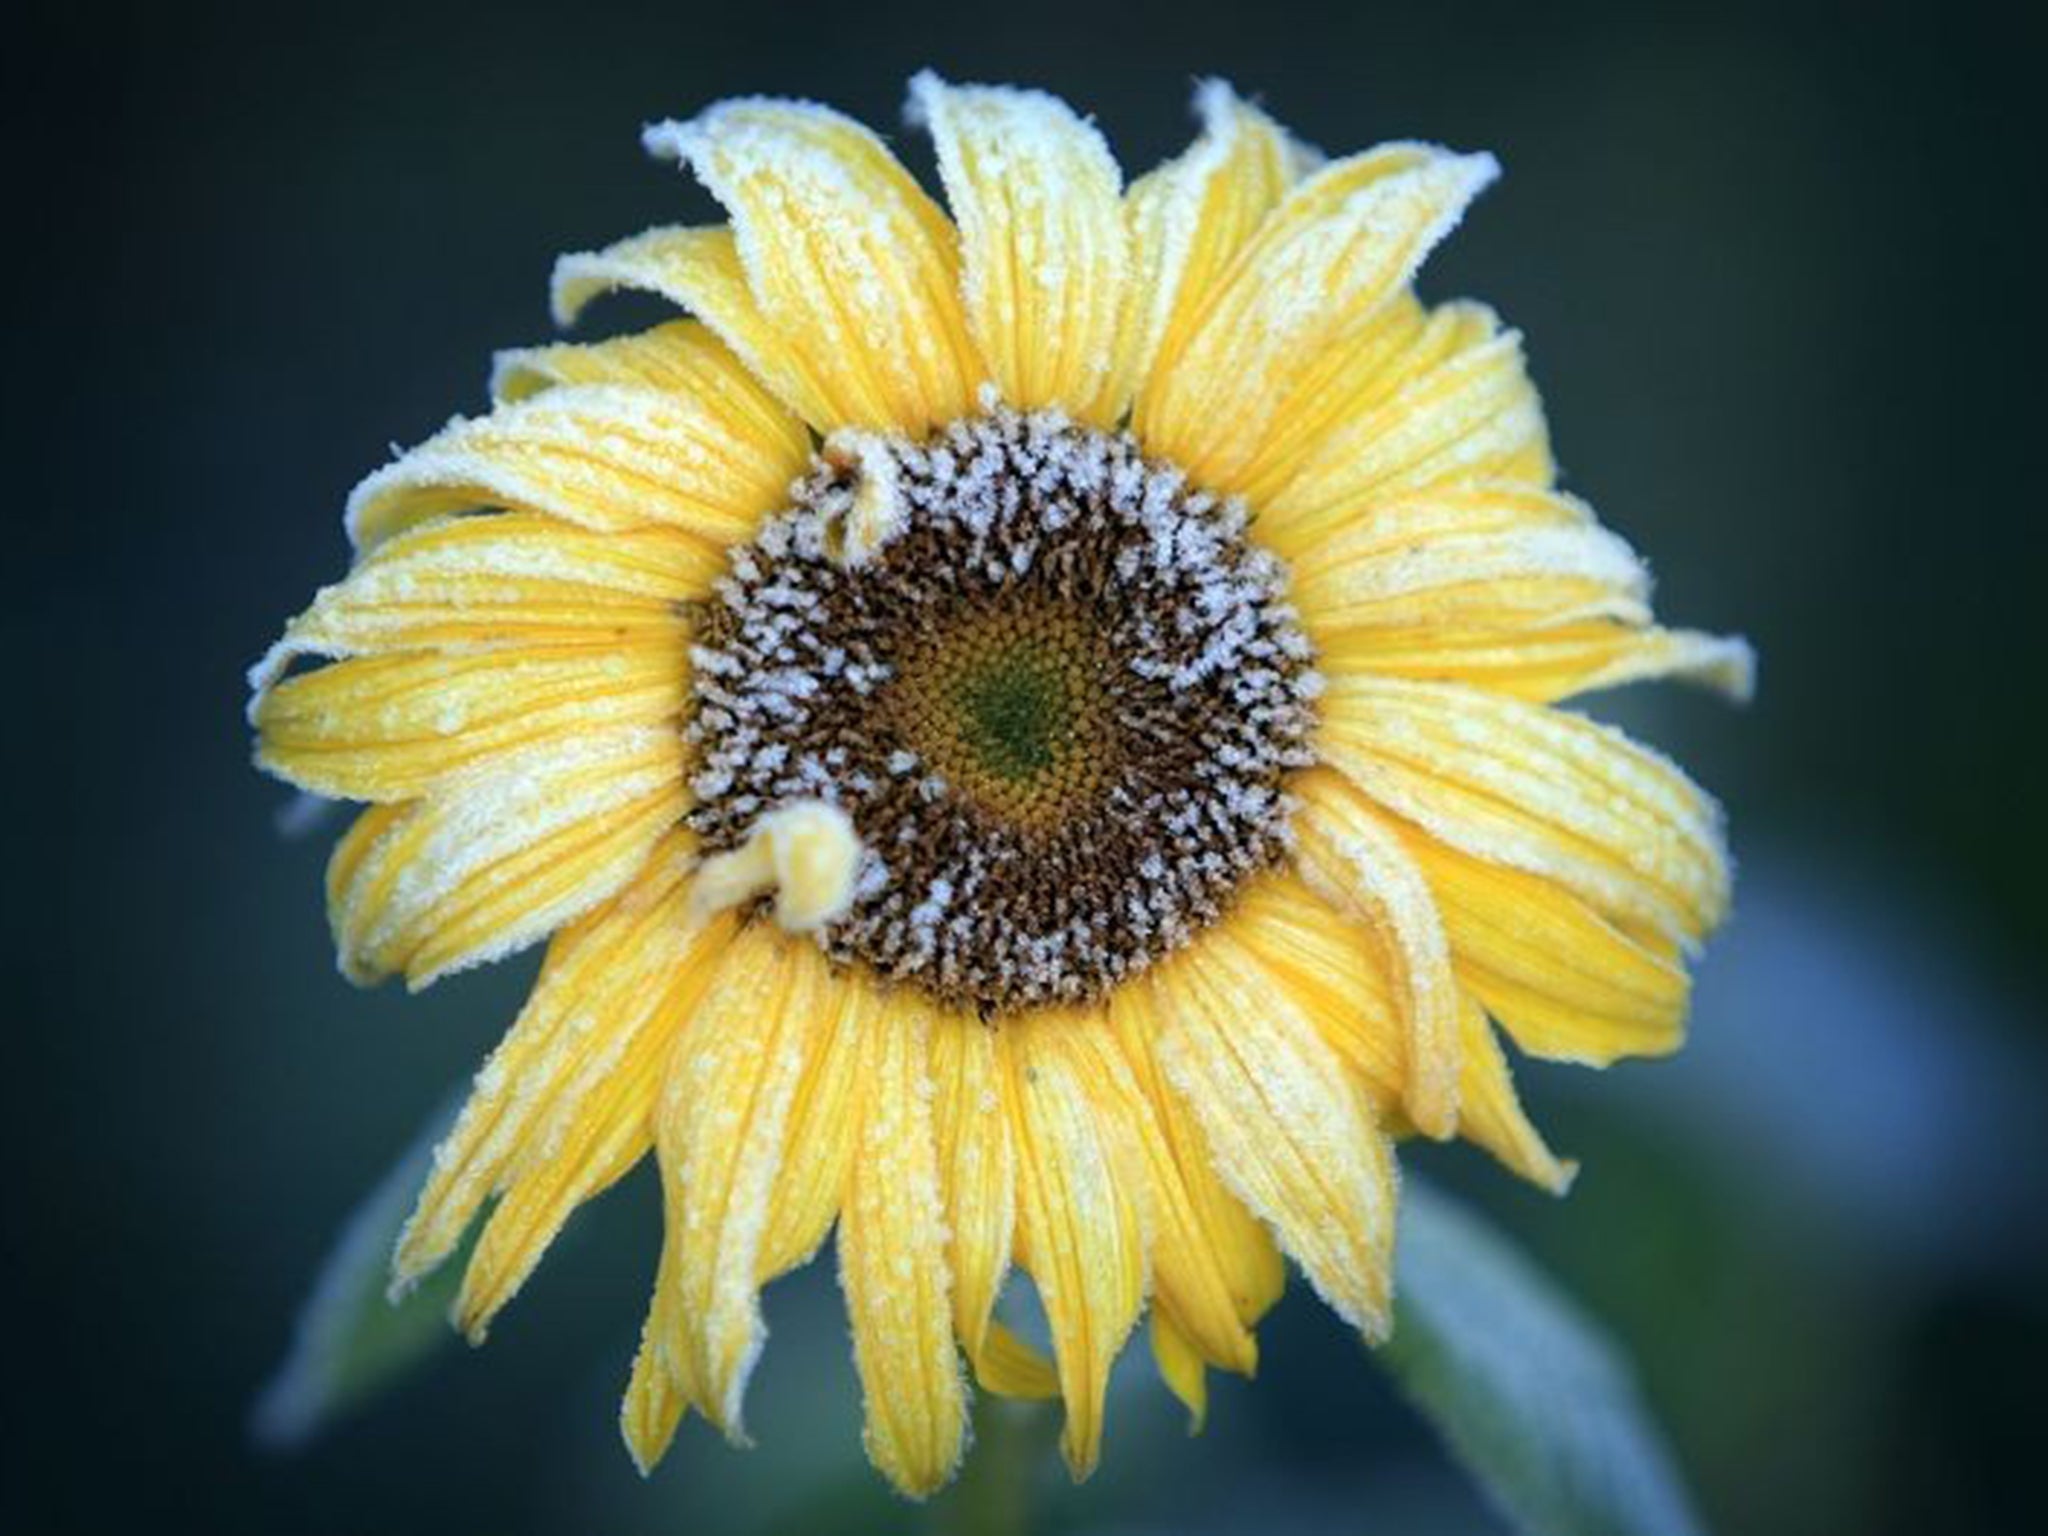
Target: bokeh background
[{"x": 1780, "y": 274}]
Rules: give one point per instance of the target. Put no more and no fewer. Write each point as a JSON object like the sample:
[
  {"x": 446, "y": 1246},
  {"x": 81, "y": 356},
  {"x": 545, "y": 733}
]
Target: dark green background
[{"x": 1779, "y": 273}]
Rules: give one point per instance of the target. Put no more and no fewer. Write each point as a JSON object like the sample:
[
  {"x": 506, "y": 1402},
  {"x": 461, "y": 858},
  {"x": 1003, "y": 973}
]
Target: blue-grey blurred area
[{"x": 1780, "y": 274}]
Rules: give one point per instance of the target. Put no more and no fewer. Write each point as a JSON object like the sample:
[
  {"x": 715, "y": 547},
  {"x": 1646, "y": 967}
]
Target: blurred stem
[{"x": 997, "y": 1487}]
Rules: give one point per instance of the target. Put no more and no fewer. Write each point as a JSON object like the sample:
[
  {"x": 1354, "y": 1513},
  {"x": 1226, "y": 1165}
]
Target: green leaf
[
  {"x": 351, "y": 1342},
  {"x": 1532, "y": 1397}
]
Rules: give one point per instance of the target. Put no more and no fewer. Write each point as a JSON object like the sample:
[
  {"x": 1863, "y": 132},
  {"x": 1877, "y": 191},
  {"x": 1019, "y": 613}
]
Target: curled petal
[
  {"x": 844, "y": 255},
  {"x": 1045, "y": 255}
]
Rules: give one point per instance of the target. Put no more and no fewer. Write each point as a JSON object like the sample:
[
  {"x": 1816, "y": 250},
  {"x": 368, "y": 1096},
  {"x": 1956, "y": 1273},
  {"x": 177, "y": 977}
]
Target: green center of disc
[{"x": 1015, "y": 712}]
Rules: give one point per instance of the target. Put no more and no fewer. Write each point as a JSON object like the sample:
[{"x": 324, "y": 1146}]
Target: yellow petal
[
  {"x": 844, "y": 255},
  {"x": 1188, "y": 220},
  {"x": 510, "y": 581},
  {"x": 1395, "y": 415},
  {"x": 1181, "y": 1368},
  {"x": 700, "y": 270},
  {"x": 1493, "y": 1116},
  {"x": 662, "y": 1385},
  {"x": 1045, "y": 256},
  {"x": 977, "y": 1182},
  {"x": 498, "y": 856},
  {"x": 823, "y": 1121},
  {"x": 1289, "y": 1129},
  {"x": 1357, "y": 861},
  {"x": 391, "y": 727},
  {"x": 1566, "y": 983},
  {"x": 1442, "y": 567},
  {"x": 1546, "y": 665},
  {"x": 579, "y": 1064},
  {"x": 1536, "y": 789},
  {"x": 1079, "y": 1224},
  {"x": 1342, "y": 244},
  {"x": 680, "y": 357},
  {"x": 1214, "y": 1269},
  {"x": 722, "y": 1130},
  {"x": 1328, "y": 967},
  {"x": 892, "y": 1263},
  {"x": 656, "y": 1395},
  {"x": 603, "y": 456}
]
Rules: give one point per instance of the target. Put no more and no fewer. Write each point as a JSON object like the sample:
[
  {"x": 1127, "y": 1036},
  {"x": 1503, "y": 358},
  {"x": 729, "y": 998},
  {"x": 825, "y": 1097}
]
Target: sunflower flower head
[{"x": 1029, "y": 734}]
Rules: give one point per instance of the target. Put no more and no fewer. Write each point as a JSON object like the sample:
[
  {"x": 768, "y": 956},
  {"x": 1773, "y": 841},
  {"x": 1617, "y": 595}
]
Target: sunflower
[{"x": 1030, "y": 737}]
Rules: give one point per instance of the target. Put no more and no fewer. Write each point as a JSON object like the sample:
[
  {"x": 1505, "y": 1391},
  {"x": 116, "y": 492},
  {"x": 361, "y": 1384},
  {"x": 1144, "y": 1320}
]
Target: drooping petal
[
  {"x": 1190, "y": 217},
  {"x": 1312, "y": 955},
  {"x": 1356, "y": 860},
  {"x": 1493, "y": 1117},
  {"x": 892, "y": 1262},
  {"x": 1215, "y": 1271},
  {"x": 824, "y": 1119},
  {"x": 661, "y": 1387},
  {"x": 1045, "y": 257},
  {"x": 1181, "y": 1367},
  {"x": 977, "y": 1182},
  {"x": 1341, "y": 245},
  {"x": 602, "y": 456},
  {"x": 1536, "y": 789},
  {"x": 571, "y": 1088},
  {"x": 391, "y": 727},
  {"x": 1401, "y": 411},
  {"x": 1325, "y": 964},
  {"x": 508, "y": 581},
  {"x": 498, "y": 856},
  {"x": 722, "y": 1131},
  {"x": 1565, "y": 982},
  {"x": 844, "y": 255},
  {"x": 1289, "y": 1129},
  {"x": 1079, "y": 1223}
]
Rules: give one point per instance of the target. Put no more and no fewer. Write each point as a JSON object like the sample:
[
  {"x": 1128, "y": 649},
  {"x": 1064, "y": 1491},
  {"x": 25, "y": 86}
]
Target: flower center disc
[{"x": 1057, "y": 692}]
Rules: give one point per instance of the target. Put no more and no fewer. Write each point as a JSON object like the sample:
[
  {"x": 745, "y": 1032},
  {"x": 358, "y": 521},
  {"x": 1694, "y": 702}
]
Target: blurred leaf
[
  {"x": 1532, "y": 1397},
  {"x": 351, "y": 1342}
]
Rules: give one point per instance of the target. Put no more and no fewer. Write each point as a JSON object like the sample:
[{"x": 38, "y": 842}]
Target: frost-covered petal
[
  {"x": 824, "y": 1119},
  {"x": 1079, "y": 1221},
  {"x": 567, "y": 1096},
  {"x": 844, "y": 255},
  {"x": 603, "y": 456},
  {"x": 700, "y": 270},
  {"x": 1320, "y": 962},
  {"x": 892, "y": 1263},
  {"x": 1215, "y": 1270},
  {"x": 1045, "y": 257},
  {"x": 661, "y": 1387},
  {"x": 1491, "y": 1111},
  {"x": 1416, "y": 402},
  {"x": 1565, "y": 982},
  {"x": 978, "y": 1185},
  {"x": 722, "y": 1131},
  {"x": 391, "y": 727},
  {"x": 1341, "y": 245},
  {"x": 1190, "y": 217},
  {"x": 1357, "y": 861},
  {"x": 498, "y": 856},
  {"x": 506, "y": 581},
  {"x": 1290, "y": 1130},
  {"x": 1537, "y": 789},
  {"x": 1498, "y": 558}
]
